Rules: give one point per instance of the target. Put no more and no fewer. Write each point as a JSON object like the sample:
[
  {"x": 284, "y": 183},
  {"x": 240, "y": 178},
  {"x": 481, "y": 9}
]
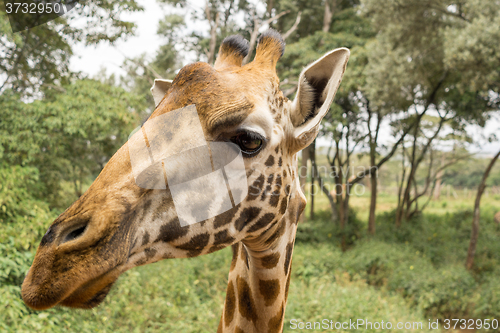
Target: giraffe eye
[{"x": 249, "y": 143}]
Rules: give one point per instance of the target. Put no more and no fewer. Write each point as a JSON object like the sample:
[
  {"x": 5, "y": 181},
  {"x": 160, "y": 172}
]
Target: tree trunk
[
  {"x": 339, "y": 189},
  {"x": 303, "y": 175},
  {"x": 373, "y": 188},
  {"x": 399, "y": 209},
  {"x": 269, "y": 9},
  {"x": 373, "y": 204},
  {"x": 411, "y": 178},
  {"x": 328, "y": 194},
  {"x": 439, "y": 180},
  {"x": 327, "y": 17},
  {"x": 475, "y": 221},
  {"x": 213, "y": 32},
  {"x": 312, "y": 157}
]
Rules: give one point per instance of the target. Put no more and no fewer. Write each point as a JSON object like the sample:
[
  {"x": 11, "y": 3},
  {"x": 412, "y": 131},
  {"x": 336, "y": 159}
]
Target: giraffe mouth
[
  {"x": 93, "y": 292},
  {"x": 85, "y": 296}
]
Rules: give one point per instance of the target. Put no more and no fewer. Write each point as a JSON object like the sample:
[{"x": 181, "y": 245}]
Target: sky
[{"x": 91, "y": 60}]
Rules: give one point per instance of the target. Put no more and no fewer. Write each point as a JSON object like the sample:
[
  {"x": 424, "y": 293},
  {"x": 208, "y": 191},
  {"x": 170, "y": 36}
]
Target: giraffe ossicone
[{"x": 215, "y": 166}]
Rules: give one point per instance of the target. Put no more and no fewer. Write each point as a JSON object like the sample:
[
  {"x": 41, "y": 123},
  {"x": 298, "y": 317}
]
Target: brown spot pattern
[
  {"x": 141, "y": 262},
  {"x": 268, "y": 187},
  {"x": 284, "y": 205},
  {"x": 246, "y": 303},
  {"x": 246, "y": 216},
  {"x": 222, "y": 237},
  {"x": 276, "y": 322},
  {"x": 266, "y": 191},
  {"x": 270, "y": 290},
  {"x": 288, "y": 256},
  {"x": 215, "y": 248},
  {"x": 145, "y": 238},
  {"x": 262, "y": 222},
  {"x": 196, "y": 244},
  {"x": 150, "y": 253},
  {"x": 230, "y": 306},
  {"x": 270, "y": 260},
  {"x": 256, "y": 188},
  {"x": 235, "y": 248},
  {"x": 270, "y": 161},
  {"x": 280, "y": 230},
  {"x": 278, "y": 181},
  {"x": 274, "y": 198},
  {"x": 172, "y": 231},
  {"x": 225, "y": 218}
]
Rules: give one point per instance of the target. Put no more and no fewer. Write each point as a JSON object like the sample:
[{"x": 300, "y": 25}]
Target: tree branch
[
  {"x": 293, "y": 28},
  {"x": 255, "y": 32}
]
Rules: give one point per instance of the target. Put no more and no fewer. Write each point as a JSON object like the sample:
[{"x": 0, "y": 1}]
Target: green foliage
[
  {"x": 17, "y": 185},
  {"x": 487, "y": 300},
  {"x": 319, "y": 290},
  {"x": 437, "y": 292},
  {"x": 422, "y": 261},
  {"x": 399, "y": 52},
  {"x": 23, "y": 221},
  {"x": 186, "y": 295},
  {"x": 14, "y": 263},
  {"x": 469, "y": 173},
  {"x": 438, "y": 237},
  {"x": 37, "y": 59},
  {"x": 67, "y": 137},
  {"x": 473, "y": 48},
  {"x": 350, "y": 30},
  {"x": 317, "y": 231},
  {"x": 403, "y": 72}
]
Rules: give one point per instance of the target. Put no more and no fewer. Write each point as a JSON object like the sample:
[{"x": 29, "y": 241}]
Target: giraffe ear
[
  {"x": 318, "y": 84},
  {"x": 159, "y": 89}
]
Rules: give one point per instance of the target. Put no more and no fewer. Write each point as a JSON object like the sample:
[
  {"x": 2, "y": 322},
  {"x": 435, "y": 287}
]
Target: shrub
[
  {"x": 438, "y": 292},
  {"x": 323, "y": 229},
  {"x": 487, "y": 299}
]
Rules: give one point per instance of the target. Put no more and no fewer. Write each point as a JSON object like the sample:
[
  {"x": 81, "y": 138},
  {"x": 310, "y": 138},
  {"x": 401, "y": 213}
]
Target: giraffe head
[{"x": 117, "y": 225}]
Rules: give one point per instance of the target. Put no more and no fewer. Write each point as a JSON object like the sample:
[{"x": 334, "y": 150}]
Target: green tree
[
  {"x": 412, "y": 71},
  {"x": 36, "y": 60},
  {"x": 69, "y": 137},
  {"x": 344, "y": 124},
  {"x": 477, "y": 214}
]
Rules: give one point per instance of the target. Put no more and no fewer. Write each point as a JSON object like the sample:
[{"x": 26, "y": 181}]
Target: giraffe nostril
[{"x": 74, "y": 234}]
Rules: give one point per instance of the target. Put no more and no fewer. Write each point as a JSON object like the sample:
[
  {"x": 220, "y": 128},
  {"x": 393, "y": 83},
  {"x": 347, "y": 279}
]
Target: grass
[{"x": 320, "y": 290}]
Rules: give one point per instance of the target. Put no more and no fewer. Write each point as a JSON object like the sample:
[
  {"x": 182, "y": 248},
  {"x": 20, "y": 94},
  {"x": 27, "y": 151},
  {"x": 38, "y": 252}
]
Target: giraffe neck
[{"x": 259, "y": 277}]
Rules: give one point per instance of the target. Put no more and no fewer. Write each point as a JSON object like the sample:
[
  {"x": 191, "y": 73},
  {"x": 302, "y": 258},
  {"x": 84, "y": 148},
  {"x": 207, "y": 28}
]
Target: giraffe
[{"x": 116, "y": 225}]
